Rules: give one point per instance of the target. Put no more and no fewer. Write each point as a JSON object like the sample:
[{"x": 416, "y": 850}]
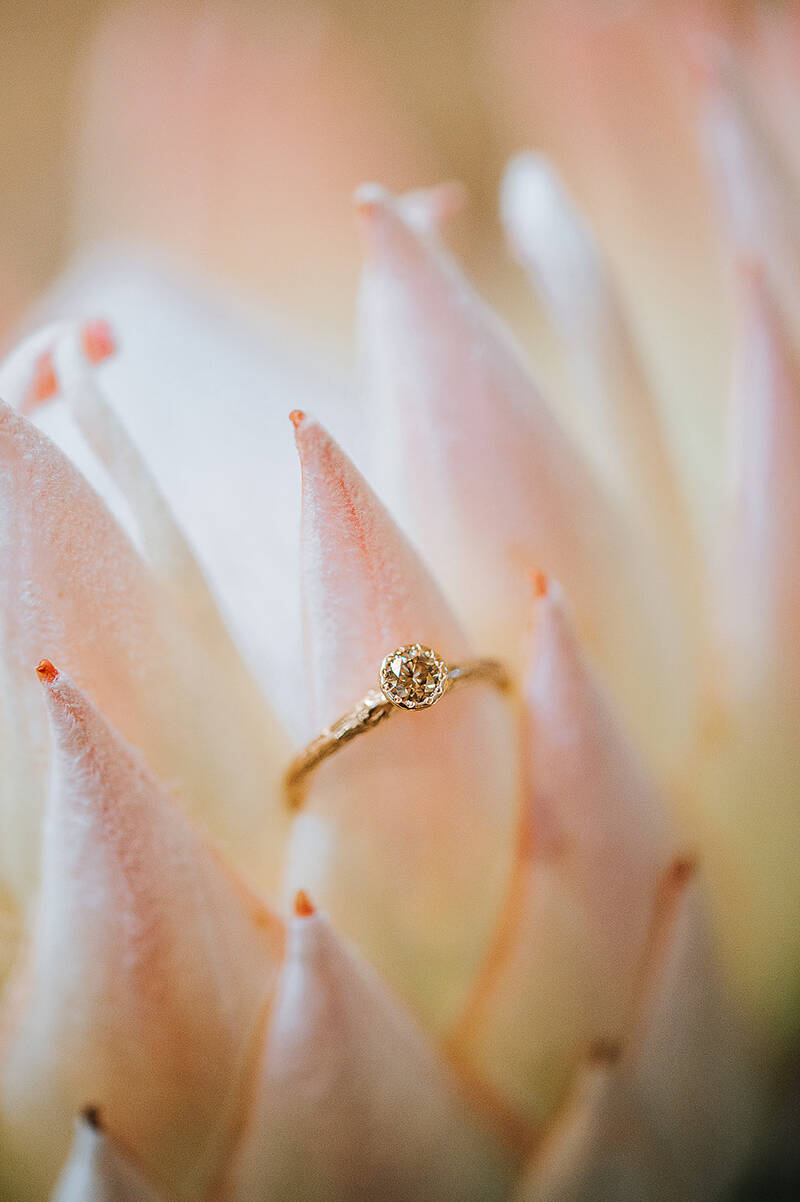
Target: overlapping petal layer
[
  {"x": 74, "y": 588},
  {"x": 408, "y": 832},
  {"x": 596, "y": 845},
  {"x": 148, "y": 978},
  {"x": 354, "y": 1102},
  {"x": 488, "y": 483}
]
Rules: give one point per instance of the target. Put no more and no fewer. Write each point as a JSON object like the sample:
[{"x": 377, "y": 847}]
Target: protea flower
[{"x": 529, "y": 947}]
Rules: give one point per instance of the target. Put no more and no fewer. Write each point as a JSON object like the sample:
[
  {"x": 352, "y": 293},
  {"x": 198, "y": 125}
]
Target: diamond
[{"x": 413, "y": 677}]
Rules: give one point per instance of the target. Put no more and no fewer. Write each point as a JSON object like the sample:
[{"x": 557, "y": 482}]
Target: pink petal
[
  {"x": 566, "y": 966},
  {"x": 409, "y": 828},
  {"x": 485, "y": 479},
  {"x": 149, "y": 975},
  {"x": 73, "y": 587},
  {"x": 353, "y": 1101},
  {"x": 760, "y": 587},
  {"x": 98, "y": 1171},
  {"x": 676, "y": 1114},
  {"x": 755, "y": 192},
  {"x": 618, "y": 414}
]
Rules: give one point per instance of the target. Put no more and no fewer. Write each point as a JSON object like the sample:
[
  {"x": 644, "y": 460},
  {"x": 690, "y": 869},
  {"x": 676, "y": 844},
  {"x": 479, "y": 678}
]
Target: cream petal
[
  {"x": 74, "y": 588},
  {"x": 747, "y": 743},
  {"x": 98, "y": 1171},
  {"x": 675, "y": 1115},
  {"x": 763, "y": 552},
  {"x": 755, "y": 193},
  {"x": 410, "y": 827},
  {"x": 568, "y": 956},
  {"x": 618, "y": 415},
  {"x": 480, "y": 472},
  {"x": 353, "y": 1101},
  {"x": 149, "y": 976}
]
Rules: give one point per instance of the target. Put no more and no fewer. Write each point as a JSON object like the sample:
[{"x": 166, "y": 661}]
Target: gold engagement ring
[{"x": 410, "y": 678}]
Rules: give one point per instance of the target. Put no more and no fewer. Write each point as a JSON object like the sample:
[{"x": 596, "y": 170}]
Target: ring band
[{"x": 411, "y": 677}]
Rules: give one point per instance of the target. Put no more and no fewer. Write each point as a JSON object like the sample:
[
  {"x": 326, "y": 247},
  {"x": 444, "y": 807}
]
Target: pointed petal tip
[
  {"x": 98, "y": 341},
  {"x": 540, "y": 583},
  {"x": 44, "y": 383},
  {"x": 90, "y": 1115},
  {"x": 605, "y": 1051},
  {"x": 46, "y": 671},
  {"x": 303, "y": 905},
  {"x": 681, "y": 870},
  {"x": 297, "y": 417},
  {"x": 369, "y": 200}
]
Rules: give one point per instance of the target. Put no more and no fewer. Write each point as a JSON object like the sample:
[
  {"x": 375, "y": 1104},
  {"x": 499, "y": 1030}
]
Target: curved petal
[
  {"x": 354, "y": 1102},
  {"x": 477, "y": 468},
  {"x": 747, "y": 745},
  {"x": 676, "y": 1113},
  {"x": 410, "y": 827},
  {"x": 618, "y": 411},
  {"x": 755, "y": 192},
  {"x": 565, "y": 971},
  {"x": 149, "y": 975},
  {"x": 73, "y": 587},
  {"x": 98, "y": 1171}
]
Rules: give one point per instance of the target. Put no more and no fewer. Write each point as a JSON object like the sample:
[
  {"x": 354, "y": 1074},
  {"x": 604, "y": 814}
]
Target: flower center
[{"x": 413, "y": 676}]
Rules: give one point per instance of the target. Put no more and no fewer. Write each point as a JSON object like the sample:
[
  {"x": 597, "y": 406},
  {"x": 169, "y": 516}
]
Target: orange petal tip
[
  {"x": 369, "y": 199},
  {"x": 46, "y": 672},
  {"x": 303, "y": 905},
  {"x": 682, "y": 869},
  {"x": 98, "y": 341},
  {"x": 539, "y": 583},
  {"x": 297, "y": 417},
  {"x": 91, "y": 1116},
  {"x": 44, "y": 384}
]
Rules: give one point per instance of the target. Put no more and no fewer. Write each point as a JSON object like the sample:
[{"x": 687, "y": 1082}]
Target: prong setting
[{"x": 413, "y": 677}]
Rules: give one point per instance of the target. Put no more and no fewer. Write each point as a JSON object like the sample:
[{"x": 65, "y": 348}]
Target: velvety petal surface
[
  {"x": 74, "y": 588},
  {"x": 568, "y": 957},
  {"x": 354, "y": 1102},
  {"x": 407, "y": 832},
  {"x": 486, "y": 480},
  {"x": 148, "y": 977}
]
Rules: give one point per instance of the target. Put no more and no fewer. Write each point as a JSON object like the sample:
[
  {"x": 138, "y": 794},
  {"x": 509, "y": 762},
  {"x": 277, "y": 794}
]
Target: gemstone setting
[{"x": 413, "y": 677}]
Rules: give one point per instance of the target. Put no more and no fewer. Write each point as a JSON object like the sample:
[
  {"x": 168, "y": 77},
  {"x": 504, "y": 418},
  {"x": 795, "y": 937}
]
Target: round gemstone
[{"x": 413, "y": 676}]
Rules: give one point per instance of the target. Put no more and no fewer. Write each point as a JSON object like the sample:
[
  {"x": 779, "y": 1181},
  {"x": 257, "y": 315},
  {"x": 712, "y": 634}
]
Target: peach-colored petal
[
  {"x": 755, "y": 192},
  {"x": 149, "y": 976},
  {"x": 98, "y": 1171},
  {"x": 673, "y": 1114},
  {"x": 564, "y": 974},
  {"x": 201, "y": 385},
  {"x": 759, "y": 592},
  {"x": 407, "y": 834},
  {"x": 747, "y": 744},
  {"x": 354, "y": 1102},
  {"x": 74, "y": 588},
  {"x": 482, "y": 475},
  {"x": 617, "y": 413}
]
